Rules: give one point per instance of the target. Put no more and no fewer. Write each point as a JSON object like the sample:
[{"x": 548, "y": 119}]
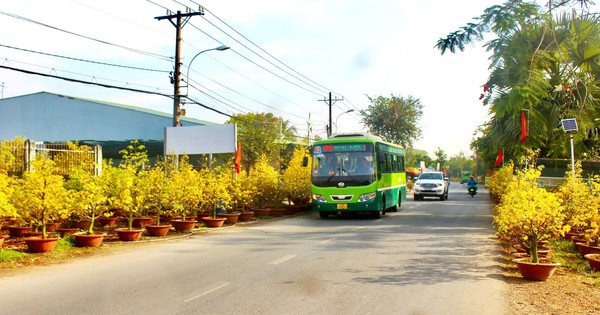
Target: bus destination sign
[{"x": 344, "y": 147}]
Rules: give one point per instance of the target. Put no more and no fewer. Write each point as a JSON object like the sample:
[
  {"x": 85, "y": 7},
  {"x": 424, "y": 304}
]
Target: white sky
[{"x": 352, "y": 48}]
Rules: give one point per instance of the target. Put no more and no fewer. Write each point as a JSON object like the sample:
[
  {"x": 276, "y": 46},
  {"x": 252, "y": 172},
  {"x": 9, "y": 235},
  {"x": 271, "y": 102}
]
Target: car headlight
[
  {"x": 319, "y": 198},
  {"x": 367, "y": 197}
]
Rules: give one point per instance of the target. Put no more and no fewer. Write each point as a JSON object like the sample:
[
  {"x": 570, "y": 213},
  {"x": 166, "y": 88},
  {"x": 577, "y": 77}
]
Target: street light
[
  {"x": 187, "y": 77},
  {"x": 336, "y": 119}
]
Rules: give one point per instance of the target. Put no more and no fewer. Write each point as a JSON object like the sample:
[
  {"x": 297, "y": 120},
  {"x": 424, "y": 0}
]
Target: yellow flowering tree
[
  {"x": 242, "y": 190},
  {"x": 40, "y": 195},
  {"x": 579, "y": 204},
  {"x": 266, "y": 180},
  {"x": 87, "y": 194},
  {"x": 7, "y": 209},
  {"x": 184, "y": 189},
  {"x": 528, "y": 214},
  {"x": 215, "y": 192},
  {"x": 498, "y": 183},
  {"x": 296, "y": 178}
]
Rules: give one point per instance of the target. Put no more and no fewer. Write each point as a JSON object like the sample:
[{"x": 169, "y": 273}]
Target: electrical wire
[
  {"x": 87, "y": 37},
  {"x": 83, "y": 60},
  {"x": 84, "y": 82}
]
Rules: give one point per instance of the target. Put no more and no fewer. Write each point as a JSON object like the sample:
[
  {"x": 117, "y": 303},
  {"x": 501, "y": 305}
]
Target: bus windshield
[{"x": 351, "y": 163}]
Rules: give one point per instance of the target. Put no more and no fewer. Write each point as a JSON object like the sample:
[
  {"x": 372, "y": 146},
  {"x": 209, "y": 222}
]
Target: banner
[
  {"x": 238, "y": 157},
  {"x": 500, "y": 158},
  {"x": 523, "y": 127}
]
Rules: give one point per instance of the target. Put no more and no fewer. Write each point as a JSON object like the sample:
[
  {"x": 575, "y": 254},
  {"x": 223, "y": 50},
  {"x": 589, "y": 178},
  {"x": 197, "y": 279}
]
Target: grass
[
  {"x": 565, "y": 253},
  {"x": 11, "y": 255}
]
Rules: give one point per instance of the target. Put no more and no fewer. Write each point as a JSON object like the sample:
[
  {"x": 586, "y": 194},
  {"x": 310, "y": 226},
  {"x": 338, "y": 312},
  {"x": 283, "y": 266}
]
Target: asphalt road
[{"x": 432, "y": 257}]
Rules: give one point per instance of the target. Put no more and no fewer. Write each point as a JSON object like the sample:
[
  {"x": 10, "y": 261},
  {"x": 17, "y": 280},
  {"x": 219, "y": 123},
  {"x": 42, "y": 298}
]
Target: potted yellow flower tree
[
  {"x": 241, "y": 191},
  {"x": 214, "y": 196},
  {"x": 7, "y": 209},
  {"x": 526, "y": 216},
  {"x": 296, "y": 180},
  {"x": 127, "y": 188},
  {"x": 88, "y": 198},
  {"x": 183, "y": 193},
  {"x": 41, "y": 196},
  {"x": 156, "y": 190},
  {"x": 266, "y": 180}
]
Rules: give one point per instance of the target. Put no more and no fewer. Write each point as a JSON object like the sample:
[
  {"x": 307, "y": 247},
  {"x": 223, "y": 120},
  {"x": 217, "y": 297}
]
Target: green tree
[
  {"x": 440, "y": 157},
  {"x": 261, "y": 133},
  {"x": 394, "y": 119},
  {"x": 544, "y": 65},
  {"x": 415, "y": 156}
]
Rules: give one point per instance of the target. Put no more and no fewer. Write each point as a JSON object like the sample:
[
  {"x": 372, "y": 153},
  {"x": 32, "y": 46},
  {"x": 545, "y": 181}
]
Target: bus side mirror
[{"x": 305, "y": 161}]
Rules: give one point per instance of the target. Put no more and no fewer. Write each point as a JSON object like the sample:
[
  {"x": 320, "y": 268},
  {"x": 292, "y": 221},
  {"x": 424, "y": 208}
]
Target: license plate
[{"x": 342, "y": 206}]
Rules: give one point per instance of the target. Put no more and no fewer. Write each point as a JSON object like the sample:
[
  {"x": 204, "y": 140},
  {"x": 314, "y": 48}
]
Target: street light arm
[
  {"x": 336, "y": 119},
  {"x": 187, "y": 76}
]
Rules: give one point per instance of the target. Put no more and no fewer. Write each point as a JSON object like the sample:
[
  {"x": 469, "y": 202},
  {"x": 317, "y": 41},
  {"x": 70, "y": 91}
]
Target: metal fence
[{"x": 16, "y": 156}]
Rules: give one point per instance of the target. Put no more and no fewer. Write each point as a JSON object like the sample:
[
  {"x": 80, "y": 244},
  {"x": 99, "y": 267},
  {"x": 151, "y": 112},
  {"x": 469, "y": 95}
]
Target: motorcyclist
[
  {"x": 472, "y": 185},
  {"x": 472, "y": 182}
]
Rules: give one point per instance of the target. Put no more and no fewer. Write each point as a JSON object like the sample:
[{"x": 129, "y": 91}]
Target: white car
[{"x": 431, "y": 184}]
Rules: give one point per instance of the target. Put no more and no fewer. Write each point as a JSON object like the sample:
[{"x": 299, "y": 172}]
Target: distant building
[{"x": 50, "y": 117}]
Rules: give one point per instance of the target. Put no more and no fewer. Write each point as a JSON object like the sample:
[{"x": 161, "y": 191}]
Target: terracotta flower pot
[
  {"x": 585, "y": 249},
  {"x": 128, "y": 235},
  {"x": 230, "y": 218},
  {"x": 593, "y": 260},
  {"x": 181, "y": 225},
  {"x": 158, "y": 230},
  {"x": 278, "y": 212},
  {"x": 51, "y": 227},
  {"x": 213, "y": 222},
  {"x": 538, "y": 272},
  {"x": 81, "y": 224},
  {"x": 32, "y": 234},
  {"x": 67, "y": 231},
  {"x": 89, "y": 240},
  {"x": 41, "y": 245},
  {"x": 18, "y": 231},
  {"x": 142, "y": 222},
  {"x": 261, "y": 212},
  {"x": 245, "y": 216},
  {"x": 2, "y": 237},
  {"x": 107, "y": 221}
]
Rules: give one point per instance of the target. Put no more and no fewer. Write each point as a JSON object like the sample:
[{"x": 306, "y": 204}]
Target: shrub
[
  {"x": 528, "y": 214},
  {"x": 296, "y": 178},
  {"x": 498, "y": 183}
]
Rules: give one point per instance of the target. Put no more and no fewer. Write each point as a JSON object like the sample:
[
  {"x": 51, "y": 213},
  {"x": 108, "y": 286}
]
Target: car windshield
[
  {"x": 431, "y": 176},
  {"x": 354, "y": 168}
]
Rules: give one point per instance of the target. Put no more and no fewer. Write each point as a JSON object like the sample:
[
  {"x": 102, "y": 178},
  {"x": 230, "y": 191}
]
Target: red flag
[
  {"x": 523, "y": 127},
  {"x": 500, "y": 158},
  {"x": 238, "y": 158}
]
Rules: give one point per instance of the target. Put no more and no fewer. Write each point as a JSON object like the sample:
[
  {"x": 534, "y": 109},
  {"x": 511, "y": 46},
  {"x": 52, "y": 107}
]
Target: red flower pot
[
  {"x": 142, "y": 222},
  {"x": 67, "y": 231},
  {"x": 41, "y": 245},
  {"x": 538, "y": 272},
  {"x": 593, "y": 260},
  {"x": 128, "y": 235},
  {"x": 585, "y": 249},
  {"x": 158, "y": 230},
  {"x": 230, "y": 218},
  {"x": 245, "y": 216},
  {"x": 261, "y": 212},
  {"x": 107, "y": 221},
  {"x": 18, "y": 231},
  {"x": 181, "y": 226},
  {"x": 89, "y": 240},
  {"x": 213, "y": 222}
]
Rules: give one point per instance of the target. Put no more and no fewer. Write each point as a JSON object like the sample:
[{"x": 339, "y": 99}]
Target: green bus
[{"x": 357, "y": 173}]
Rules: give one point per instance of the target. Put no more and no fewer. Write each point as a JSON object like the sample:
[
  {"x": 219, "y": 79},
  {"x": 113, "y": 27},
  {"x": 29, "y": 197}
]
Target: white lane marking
[
  {"x": 282, "y": 259},
  {"x": 325, "y": 241},
  {"x": 209, "y": 291}
]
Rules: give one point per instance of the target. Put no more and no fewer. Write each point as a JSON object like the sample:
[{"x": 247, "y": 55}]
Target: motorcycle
[{"x": 472, "y": 190}]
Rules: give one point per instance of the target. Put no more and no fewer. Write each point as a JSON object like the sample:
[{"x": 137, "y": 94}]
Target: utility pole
[
  {"x": 330, "y": 102},
  {"x": 180, "y": 20}
]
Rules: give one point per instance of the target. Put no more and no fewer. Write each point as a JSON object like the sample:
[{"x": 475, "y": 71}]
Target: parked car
[{"x": 431, "y": 184}]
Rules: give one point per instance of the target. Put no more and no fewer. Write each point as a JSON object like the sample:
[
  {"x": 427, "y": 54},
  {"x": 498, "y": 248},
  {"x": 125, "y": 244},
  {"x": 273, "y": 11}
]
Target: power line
[
  {"x": 84, "y": 60},
  {"x": 86, "y": 37},
  {"x": 84, "y": 82}
]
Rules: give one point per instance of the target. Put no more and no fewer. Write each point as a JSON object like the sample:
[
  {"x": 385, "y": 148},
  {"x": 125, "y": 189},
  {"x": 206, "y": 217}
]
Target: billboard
[{"x": 209, "y": 139}]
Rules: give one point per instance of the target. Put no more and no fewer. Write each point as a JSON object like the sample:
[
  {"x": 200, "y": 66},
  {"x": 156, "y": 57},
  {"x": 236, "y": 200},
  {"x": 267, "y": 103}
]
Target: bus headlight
[
  {"x": 319, "y": 198},
  {"x": 367, "y": 197}
]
